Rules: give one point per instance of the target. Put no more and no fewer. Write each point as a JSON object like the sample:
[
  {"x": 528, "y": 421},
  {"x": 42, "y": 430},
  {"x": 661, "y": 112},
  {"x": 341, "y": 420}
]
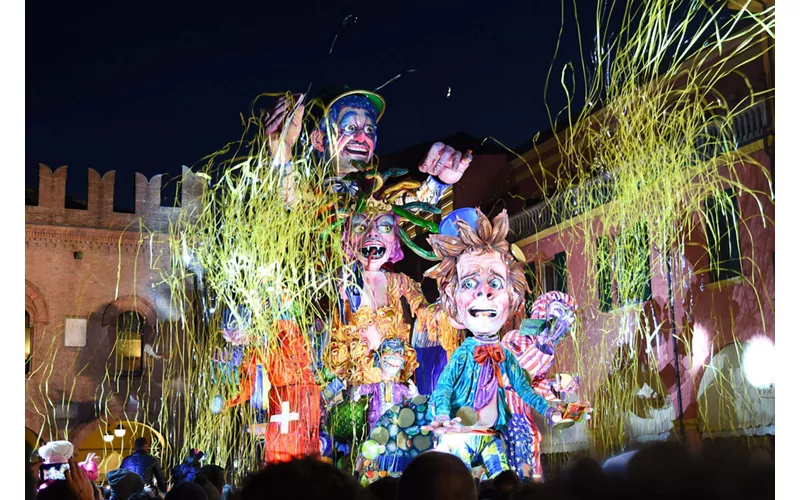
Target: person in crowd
[
  {"x": 306, "y": 479},
  {"x": 146, "y": 465},
  {"x": 124, "y": 483},
  {"x": 212, "y": 480},
  {"x": 506, "y": 483},
  {"x": 187, "y": 470},
  {"x": 187, "y": 490},
  {"x": 384, "y": 488},
  {"x": 231, "y": 493},
  {"x": 75, "y": 486},
  {"x": 434, "y": 475}
]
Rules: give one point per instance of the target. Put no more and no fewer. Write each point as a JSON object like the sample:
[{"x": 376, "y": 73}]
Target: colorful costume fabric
[
  {"x": 286, "y": 377},
  {"x": 383, "y": 395},
  {"x": 432, "y": 358},
  {"x": 395, "y": 439},
  {"x": 536, "y": 356},
  {"x": 489, "y": 447},
  {"x": 471, "y": 379},
  {"x": 348, "y": 355},
  {"x": 432, "y": 361},
  {"x": 466, "y": 381}
]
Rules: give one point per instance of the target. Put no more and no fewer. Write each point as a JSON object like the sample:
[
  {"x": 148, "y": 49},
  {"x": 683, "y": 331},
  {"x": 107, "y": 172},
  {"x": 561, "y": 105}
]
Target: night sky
[{"x": 137, "y": 88}]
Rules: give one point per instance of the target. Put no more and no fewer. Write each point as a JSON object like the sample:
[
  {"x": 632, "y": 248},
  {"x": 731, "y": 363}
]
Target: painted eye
[
  {"x": 359, "y": 229},
  {"x": 369, "y": 130},
  {"x": 385, "y": 228},
  {"x": 496, "y": 284},
  {"x": 469, "y": 284},
  {"x": 350, "y": 128}
]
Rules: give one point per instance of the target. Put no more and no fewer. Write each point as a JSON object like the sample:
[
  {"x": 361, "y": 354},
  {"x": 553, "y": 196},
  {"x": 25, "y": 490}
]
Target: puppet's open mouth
[
  {"x": 355, "y": 149},
  {"x": 373, "y": 250},
  {"x": 482, "y": 313},
  {"x": 393, "y": 362}
]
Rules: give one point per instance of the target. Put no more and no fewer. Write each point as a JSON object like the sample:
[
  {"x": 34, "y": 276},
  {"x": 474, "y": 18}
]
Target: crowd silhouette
[{"x": 663, "y": 470}]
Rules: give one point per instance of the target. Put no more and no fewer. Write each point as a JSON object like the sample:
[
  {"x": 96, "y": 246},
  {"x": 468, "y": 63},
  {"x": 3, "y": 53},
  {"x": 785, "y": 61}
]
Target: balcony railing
[{"x": 748, "y": 127}]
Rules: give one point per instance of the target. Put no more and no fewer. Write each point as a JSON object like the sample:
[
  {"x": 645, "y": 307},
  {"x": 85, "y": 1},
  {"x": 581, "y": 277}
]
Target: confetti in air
[{"x": 636, "y": 166}]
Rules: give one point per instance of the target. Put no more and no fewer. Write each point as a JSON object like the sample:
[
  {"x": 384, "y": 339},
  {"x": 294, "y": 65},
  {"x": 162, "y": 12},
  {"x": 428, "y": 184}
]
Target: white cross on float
[{"x": 284, "y": 417}]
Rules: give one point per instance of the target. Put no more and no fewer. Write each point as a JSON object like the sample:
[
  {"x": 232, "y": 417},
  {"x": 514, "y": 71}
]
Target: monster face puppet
[
  {"x": 373, "y": 240},
  {"x": 391, "y": 359}
]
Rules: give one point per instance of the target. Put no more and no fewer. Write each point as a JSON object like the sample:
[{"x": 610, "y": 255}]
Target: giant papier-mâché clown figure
[
  {"x": 346, "y": 133},
  {"x": 480, "y": 283},
  {"x": 282, "y": 383},
  {"x": 534, "y": 346}
]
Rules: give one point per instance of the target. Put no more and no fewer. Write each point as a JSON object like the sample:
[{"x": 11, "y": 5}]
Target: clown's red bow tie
[{"x": 492, "y": 353}]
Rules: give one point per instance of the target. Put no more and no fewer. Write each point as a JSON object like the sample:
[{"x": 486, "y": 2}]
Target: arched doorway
[{"x": 111, "y": 448}]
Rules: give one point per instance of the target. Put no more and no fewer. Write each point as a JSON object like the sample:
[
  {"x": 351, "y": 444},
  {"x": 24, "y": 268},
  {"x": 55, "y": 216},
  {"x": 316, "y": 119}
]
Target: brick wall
[{"x": 94, "y": 264}]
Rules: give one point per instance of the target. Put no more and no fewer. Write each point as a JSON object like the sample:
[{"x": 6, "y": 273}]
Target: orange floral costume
[{"x": 348, "y": 355}]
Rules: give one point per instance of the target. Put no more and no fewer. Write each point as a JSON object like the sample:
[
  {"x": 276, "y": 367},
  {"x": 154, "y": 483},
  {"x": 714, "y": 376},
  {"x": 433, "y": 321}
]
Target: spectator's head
[
  {"x": 668, "y": 469},
  {"x": 583, "y": 476},
  {"x": 124, "y": 483},
  {"x": 215, "y": 476},
  {"x": 302, "y": 479},
  {"x": 187, "y": 491},
  {"x": 141, "y": 444},
  {"x": 528, "y": 491},
  {"x": 212, "y": 492},
  {"x": 384, "y": 488},
  {"x": 507, "y": 481},
  {"x": 435, "y": 475},
  {"x": 140, "y": 496}
]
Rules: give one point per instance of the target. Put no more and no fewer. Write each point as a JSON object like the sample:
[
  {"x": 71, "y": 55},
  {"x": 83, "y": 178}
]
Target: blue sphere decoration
[{"x": 448, "y": 225}]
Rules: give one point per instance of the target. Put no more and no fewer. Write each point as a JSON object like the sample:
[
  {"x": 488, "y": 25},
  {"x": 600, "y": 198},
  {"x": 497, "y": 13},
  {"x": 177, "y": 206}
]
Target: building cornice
[
  {"x": 43, "y": 233},
  {"x": 598, "y": 211}
]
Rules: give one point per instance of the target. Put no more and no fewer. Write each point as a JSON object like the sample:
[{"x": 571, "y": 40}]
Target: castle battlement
[{"x": 99, "y": 213}]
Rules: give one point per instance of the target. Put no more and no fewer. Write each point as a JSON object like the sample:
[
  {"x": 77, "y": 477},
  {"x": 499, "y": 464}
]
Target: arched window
[
  {"x": 28, "y": 341},
  {"x": 129, "y": 347}
]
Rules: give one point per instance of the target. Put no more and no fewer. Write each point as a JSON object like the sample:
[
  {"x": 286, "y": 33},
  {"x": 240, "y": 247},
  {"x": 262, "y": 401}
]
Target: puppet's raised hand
[
  {"x": 445, "y": 163},
  {"x": 282, "y": 125}
]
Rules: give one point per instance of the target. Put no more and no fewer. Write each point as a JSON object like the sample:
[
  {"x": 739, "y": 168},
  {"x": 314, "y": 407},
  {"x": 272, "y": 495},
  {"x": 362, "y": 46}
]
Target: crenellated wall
[
  {"x": 93, "y": 264},
  {"x": 100, "y": 212}
]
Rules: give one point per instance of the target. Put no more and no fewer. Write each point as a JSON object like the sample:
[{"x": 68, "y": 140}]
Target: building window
[
  {"x": 28, "y": 341},
  {"x": 554, "y": 273},
  {"x": 605, "y": 285},
  {"x": 623, "y": 268},
  {"x": 722, "y": 235},
  {"x": 129, "y": 347}
]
